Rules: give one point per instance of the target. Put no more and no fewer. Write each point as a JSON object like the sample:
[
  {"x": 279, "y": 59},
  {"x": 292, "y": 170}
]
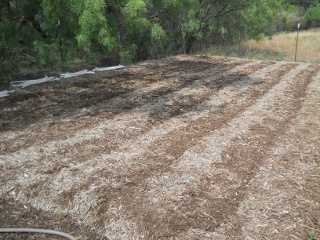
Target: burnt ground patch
[{"x": 65, "y": 98}]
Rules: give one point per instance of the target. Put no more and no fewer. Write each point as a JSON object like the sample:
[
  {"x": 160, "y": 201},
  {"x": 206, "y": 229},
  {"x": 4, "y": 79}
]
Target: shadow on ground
[{"x": 114, "y": 92}]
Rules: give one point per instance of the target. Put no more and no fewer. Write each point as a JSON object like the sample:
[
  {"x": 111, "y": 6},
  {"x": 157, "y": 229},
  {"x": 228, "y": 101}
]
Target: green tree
[
  {"x": 59, "y": 21},
  {"x": 312, "y": 14},
  {"x": 113, "y": 27},
  {"x": 18, "y": 30},
  {"x": 40, "y": 31},
  {"x": 203, "y": 19},
  {"x": 54, "y": 32}
]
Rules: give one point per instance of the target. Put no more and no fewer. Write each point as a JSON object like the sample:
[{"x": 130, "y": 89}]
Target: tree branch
[{"x": 36, "y": 25}]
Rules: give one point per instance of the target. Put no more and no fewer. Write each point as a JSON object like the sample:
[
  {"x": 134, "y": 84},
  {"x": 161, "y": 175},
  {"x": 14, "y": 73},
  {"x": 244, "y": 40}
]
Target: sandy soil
[{"x": 187, "y": 147}]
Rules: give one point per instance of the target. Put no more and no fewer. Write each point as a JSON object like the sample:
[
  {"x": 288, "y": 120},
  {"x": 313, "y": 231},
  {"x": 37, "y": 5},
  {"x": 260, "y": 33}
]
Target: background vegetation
[
  {"x": 281, "y": 47},
  {"x": 52, "y": 35}
]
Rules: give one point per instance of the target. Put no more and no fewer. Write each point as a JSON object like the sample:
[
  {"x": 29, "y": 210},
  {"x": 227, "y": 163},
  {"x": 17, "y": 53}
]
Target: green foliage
[
  {"x": 157, "y": 32},
  {"x": 311, "y": 236},
  {"x": 112, "y": 25},
  {"x": 17, "y": 34},
  {"x": 54, "y": 32},
  {"x": 94, "y": 28},
  {"x": 136, "y": 8},
  {"x": 46, "y": 52},
  {"x": 61, "y": 25},
  {"x": 313, "y": 13}
]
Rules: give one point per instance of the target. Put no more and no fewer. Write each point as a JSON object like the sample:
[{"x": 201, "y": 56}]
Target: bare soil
[{"x": 187, "y": 147}]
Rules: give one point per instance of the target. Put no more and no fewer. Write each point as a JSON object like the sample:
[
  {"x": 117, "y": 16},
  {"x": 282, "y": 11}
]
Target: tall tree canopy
[
  {"x": 312, "y": 14},
  {"x": 54, "y": 32}
]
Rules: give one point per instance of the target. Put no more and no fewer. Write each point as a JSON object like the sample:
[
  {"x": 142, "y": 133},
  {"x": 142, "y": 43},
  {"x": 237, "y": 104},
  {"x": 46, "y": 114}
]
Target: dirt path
[{"x": 188, "y": 147}]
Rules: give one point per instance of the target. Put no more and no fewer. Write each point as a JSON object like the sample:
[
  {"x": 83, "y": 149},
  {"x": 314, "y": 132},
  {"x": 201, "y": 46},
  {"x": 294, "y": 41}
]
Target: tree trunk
[
  {"x": 120, "y": 38},
  {"x": 184, "y": 49},
  {"x": 189, "y": 41}
]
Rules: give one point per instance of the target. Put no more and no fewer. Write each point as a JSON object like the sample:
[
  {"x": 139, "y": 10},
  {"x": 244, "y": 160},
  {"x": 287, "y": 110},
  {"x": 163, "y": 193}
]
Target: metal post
[{"x": 295, "y": 56}]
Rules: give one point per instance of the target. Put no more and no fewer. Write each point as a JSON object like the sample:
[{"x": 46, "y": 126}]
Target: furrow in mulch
[
  {"x": 215, "y": 196},
  {"x": 196, "y": 197},
  {"x": 157, "y": 161},
  {"x": 104, "y": 103},
  {"x": 128, "y": 189},
  {"x": 45, "y": 182},
  {"x": 103, "y": 138},
  {"x": 282, "y": 198}
]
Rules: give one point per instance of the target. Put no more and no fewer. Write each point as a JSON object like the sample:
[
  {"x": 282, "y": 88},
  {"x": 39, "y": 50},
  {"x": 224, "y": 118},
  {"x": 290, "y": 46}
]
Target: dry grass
[{"x": 308, "y": 45}]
